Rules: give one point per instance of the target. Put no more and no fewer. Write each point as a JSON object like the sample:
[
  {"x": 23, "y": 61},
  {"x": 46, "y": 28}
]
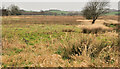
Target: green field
[
  {"x": 59, "y": 12},
  {"x": 113, "y": 13}
]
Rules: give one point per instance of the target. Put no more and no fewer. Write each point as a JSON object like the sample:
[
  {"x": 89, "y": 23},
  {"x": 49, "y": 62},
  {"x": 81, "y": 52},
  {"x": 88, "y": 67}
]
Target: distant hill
[
  {"x": 58, "y": 11},
  {"x": 113, "y": 12},
  {"x": 61, "y": 12}
]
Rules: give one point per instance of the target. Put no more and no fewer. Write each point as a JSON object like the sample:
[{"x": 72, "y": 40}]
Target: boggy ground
[{"x": 58, "y": 41}]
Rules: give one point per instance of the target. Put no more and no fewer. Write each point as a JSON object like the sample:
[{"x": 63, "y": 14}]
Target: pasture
[{"x": 59, "y": 41}]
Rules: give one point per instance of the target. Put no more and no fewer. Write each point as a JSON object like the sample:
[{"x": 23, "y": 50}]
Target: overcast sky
[{"x": 68, "y": 5}]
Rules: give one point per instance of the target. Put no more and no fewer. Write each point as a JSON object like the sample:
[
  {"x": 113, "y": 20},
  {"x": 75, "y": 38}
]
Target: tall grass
[{"x": 31, "y": 43}]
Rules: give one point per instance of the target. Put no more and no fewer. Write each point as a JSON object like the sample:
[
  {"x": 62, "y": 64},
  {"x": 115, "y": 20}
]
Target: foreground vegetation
[{"x": 53, "y": 41}]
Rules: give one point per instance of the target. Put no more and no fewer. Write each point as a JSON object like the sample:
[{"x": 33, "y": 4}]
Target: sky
[
  {"x": 52, "y": 0},
  {"x": 67, "y": 5}
]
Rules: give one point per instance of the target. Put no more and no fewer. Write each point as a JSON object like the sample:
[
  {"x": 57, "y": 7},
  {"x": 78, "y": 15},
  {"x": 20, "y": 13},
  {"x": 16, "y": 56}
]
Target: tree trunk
[{"x": 93, "y": 21}]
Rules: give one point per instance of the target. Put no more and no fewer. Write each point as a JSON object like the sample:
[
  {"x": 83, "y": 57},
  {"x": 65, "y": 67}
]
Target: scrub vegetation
[{"x": 59, "y": 41}]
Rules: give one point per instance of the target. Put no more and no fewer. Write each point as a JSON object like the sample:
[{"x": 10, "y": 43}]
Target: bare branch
[{"x": 95, "y": 8}]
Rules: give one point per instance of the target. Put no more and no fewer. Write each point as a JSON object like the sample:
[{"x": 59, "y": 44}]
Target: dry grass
[
  {"x": 95, "y": 28},
  {"x": 57, "y": 41},
  {"x": 64, "y": 20},
  {"x": 84, "y": 22}
]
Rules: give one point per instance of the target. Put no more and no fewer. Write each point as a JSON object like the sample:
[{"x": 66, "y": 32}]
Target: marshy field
[{"x": 59, "y": 41}]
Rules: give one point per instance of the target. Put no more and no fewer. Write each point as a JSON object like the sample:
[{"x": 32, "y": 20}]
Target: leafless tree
[
  {"x": 95, "y": 8},
  {"x": 14, "y": 10}
]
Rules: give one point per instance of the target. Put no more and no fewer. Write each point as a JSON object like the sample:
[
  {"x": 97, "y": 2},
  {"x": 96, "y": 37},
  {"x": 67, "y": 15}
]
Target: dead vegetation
[{"x": 94, "y": 28}]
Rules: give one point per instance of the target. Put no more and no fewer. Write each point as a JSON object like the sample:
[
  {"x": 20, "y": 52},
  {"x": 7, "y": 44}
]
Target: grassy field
[
  {"x": 59, "y": 12},
  {"x": 113, "y": 13},
  {"x": 58, "y": 41}
]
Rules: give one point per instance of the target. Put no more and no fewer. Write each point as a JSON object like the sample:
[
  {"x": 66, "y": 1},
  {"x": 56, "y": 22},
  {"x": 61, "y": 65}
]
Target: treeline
[
  {"x": 37, "y": 13},
  {"x": 15, "y": 10},
  {"x": 50, "y": 13}
]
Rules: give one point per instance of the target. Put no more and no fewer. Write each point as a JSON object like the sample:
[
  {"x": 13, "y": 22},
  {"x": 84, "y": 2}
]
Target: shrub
[
  {"x": 95, "y": 30},
  {"x": 87, "y": 45}
]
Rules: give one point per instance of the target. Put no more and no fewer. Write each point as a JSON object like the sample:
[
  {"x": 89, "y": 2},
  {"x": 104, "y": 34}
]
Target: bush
[
  {"x": 95, "y": 30},
  {"x": 87, "y": 45}
]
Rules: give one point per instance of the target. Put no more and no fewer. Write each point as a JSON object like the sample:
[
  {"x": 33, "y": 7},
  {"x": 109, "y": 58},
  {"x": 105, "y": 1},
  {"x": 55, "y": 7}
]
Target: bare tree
[
  {"x": 94, "y": 9},
  {"x": 14, "y": 10}
]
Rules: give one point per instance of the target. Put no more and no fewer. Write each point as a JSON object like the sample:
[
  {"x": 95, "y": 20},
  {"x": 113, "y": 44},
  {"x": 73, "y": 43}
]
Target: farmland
[{"x": 59, "y": 41}]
